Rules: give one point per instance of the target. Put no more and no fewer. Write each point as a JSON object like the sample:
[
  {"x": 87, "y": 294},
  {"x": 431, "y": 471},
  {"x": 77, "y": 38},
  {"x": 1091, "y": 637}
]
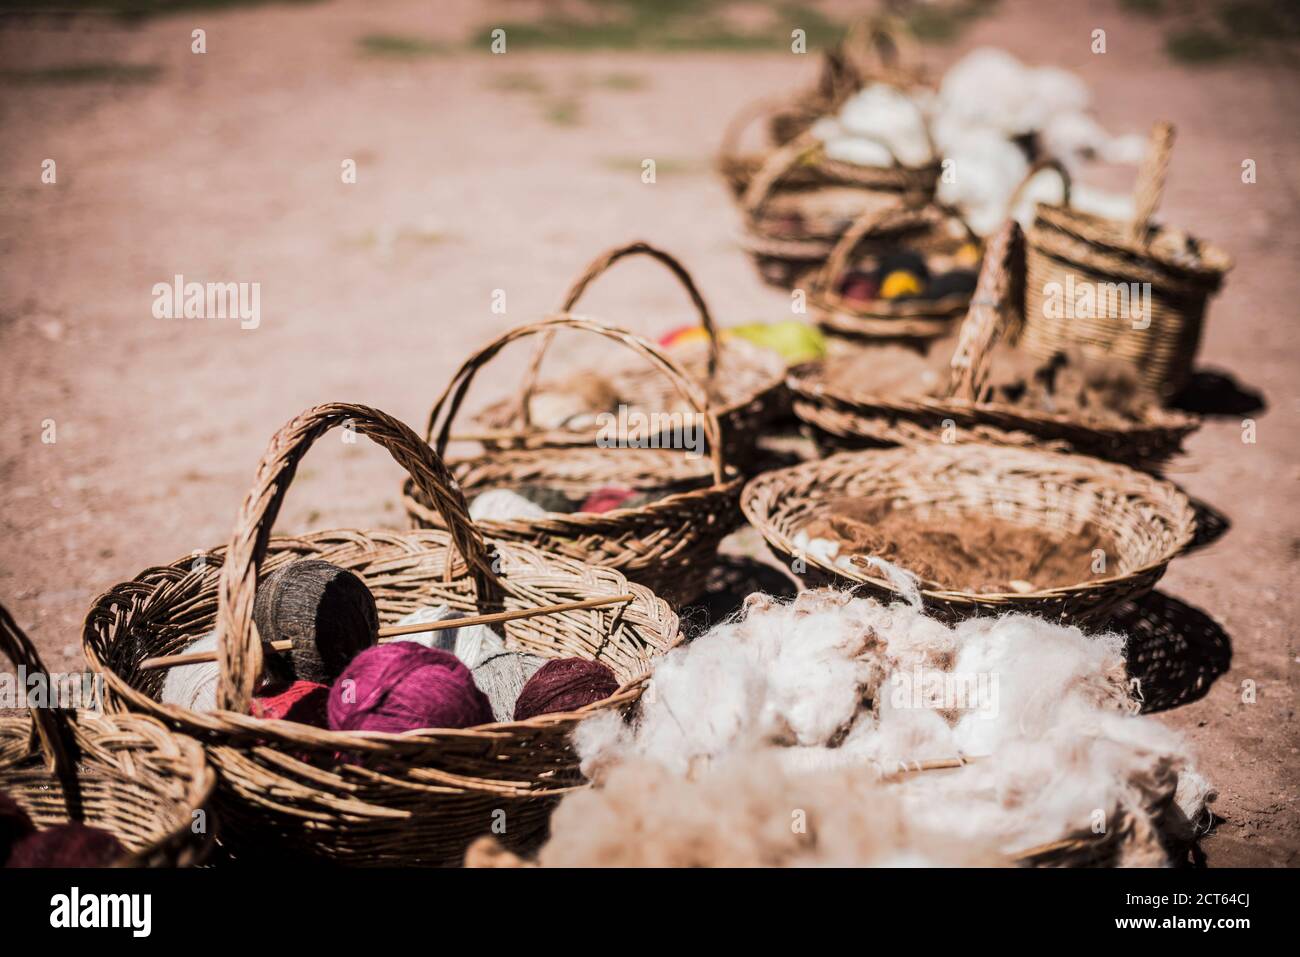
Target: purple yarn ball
[
  {"x": 67, "y": 845},
  {"x": 565, "y": 684},
  {"x": 404, "y": 686}
]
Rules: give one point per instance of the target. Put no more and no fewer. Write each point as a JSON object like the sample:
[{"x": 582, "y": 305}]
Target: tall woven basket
[
  {"x": 669, "y": 545},
  {"x": 126, "y": 774},
  {"x": 1072, "y": 255},
  {"x": 1149, "y": 520},
  {"x": 288, "y": 790},
  {"x": 856, "y": 417},
  {"x": 744, "y": 384}
]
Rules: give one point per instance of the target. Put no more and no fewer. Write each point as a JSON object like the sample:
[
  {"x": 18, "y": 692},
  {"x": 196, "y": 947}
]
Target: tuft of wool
[
  {"x": 303, "y": 701},
  {"x": 326, "y": 611},
  {"x": 564, "y": 684},
  {"x": 829, "y": 683},
  {"x": 746, "y": 812},
  {"x": 503, "y": 505},
  {"x": 15, "y": 824},
  {"x": 404, "y": 686},
  {"x": 194, "y": 686},
  {"x": 502, "y": 677},
  {"x": 67, "y": 845},
  {"x": 875, "y": 115}
]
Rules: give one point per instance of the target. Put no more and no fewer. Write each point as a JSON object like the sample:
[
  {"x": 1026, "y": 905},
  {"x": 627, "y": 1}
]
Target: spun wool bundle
[
  {"x": 303, "y": 701},
  {"x": 404, "y": 686},
  {"x": 15, "y": 824},
  {"x": 565, "y": 684},
  {"x": 502, "y": 677},
  {"x": 67, "y": 845},
  {"x": 829, "y": 683},
  {"x": 473, "y": 644},
  {"x": 194, "y": 686},
  {"x": 326, "y": 611},
  {"x": 607, "y": 498}
]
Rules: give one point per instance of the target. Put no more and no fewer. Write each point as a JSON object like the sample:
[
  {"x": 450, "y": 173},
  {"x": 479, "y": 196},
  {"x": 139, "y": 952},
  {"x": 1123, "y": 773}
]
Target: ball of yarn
[
  {"x": 607, "y": 498},
  {"x": 67, "y": 845},
  {"x": 502, "y": 677},
  {"x": 326, "y": 611},
  {"x": 15, "y": 824},
  {"x": 303, "y": 701},
  {"x": 565, "y": 684},
  {"x": 503, "y": 505},
  {"x": 404, "y": 686},
  {"x": 901, "y": 284},
  {"x": 194, "y": 686},
  {"x": 958, "y": 282}
]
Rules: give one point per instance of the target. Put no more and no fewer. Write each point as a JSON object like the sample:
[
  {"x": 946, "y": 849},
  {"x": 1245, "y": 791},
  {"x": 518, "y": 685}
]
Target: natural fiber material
[
  {"x": 743, "y": 384},
  {"x": 1013, "y": 735},
  {"x": 668, "y": 545},
  {"x": 564, "y": 685},
  {"x": 124, "y": 774},
  {"x": 864, "y": 415},
  {"x": 326, "y": 611},
  {"x": 68, "y": 845},
  {"x": 403, "y": 687},
  {"x": 14, "y": 825},
  {"x": 371, "y": 798},
  {"x": 1068, "y": 250},
  {"x": 502, "y": 677},
  {"x": 1150, "y": 521},
  {"x": 303, "y": 701}
]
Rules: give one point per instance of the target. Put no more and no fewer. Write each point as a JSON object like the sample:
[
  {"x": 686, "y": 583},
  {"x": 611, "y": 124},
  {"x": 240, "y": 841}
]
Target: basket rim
[
  {"x": 1102, "y": 233},
  {"x": 771, "y": 482},
  {"x": 292, "y": 734},
  {"x": 806, "y": 383}
]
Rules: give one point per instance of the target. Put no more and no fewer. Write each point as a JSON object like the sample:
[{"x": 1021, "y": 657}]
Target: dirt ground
[{"x": 479, "y": 173}]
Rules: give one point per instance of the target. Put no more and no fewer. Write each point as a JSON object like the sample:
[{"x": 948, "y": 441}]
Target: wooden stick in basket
[{"x": 393, "y": 632}]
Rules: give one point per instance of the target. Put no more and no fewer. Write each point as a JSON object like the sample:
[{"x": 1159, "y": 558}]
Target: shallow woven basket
[
  {"x": 669, "y": 545},
  {"x": 126, "y": 774},
  {"x": 745, "y": 384},
  {"x": 921, "y": 228},
  {"x": 1069, "y": 250},
  {"x": 845, "y": 417},
  {"x": 369, "y": 798},
  {"x": 1149, "y": 520}
]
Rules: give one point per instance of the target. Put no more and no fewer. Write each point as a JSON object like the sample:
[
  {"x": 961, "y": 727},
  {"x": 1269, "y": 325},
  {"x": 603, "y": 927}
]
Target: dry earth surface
[{"x": 477, "y": 173}]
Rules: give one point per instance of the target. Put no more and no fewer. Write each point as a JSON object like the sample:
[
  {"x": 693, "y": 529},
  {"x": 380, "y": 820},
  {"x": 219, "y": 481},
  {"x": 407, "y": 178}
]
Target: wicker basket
[
  {"x": 371, "y": 798},
  {"x": 668, "y": 545},
  {"x": 925, "y": 229},
  {"x": 745, "y": 384},
  {"x": 853, "y": 418},
  {"x": 126, "y": 774},
  {"x": 1149, "y": 520},
  {"x": 791, "y": 233},
  {"x": 1069, "y": 250}
]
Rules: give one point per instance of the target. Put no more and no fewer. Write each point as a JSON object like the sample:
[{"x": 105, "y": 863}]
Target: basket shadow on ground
[
  {"x": 1215, "y": 392},
  {"x": 1175, "y": 650}
]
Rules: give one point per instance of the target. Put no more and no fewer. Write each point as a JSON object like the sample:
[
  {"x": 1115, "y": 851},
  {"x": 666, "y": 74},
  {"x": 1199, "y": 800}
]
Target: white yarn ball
[
  {"x": 194, "y": 686},
  {"x": 501, "y": 504}
]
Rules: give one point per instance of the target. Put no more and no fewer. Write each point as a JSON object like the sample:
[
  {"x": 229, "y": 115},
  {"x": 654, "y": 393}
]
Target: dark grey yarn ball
[{"x": 326, "y": 611}]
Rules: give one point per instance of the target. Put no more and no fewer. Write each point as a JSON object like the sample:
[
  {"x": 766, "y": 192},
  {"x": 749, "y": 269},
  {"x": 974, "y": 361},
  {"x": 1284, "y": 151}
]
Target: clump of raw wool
[
  {"x": 829, "y": 684},
  {"x": 745, "y": 813}
]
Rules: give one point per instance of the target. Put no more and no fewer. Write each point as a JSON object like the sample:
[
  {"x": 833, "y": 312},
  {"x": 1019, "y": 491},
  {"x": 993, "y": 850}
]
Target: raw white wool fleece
[{"x": 832, "y": 684}]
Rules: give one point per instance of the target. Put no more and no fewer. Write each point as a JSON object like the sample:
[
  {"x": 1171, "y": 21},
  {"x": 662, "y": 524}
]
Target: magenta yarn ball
[
  {"x": 14, "y": 825},
  {"x": 565, "y": 684},
  {"x": 67, "y": 845},
  {"x": 404, "y": 686}
]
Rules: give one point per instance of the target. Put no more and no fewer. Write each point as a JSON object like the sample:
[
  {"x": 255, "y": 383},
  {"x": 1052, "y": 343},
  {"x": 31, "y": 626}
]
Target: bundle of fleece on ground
[{"x": 818, "y": 704}]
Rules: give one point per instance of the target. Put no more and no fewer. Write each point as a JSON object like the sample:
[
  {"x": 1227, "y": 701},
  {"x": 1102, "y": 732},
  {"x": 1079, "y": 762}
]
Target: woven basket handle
[
  {"x": 985, "y": 320},
  {"x": 240, "y": 652},
  {"x": 1151, "y": 179},
  {"x": 595, "y": 269},
  {"x": 1047, "y": 162},
  {"x": 878, "y": 46},
  {"x": 866, "y": 226},
  {"x": 449, "y": 403},
  {"x": 50, "y": 724}
]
